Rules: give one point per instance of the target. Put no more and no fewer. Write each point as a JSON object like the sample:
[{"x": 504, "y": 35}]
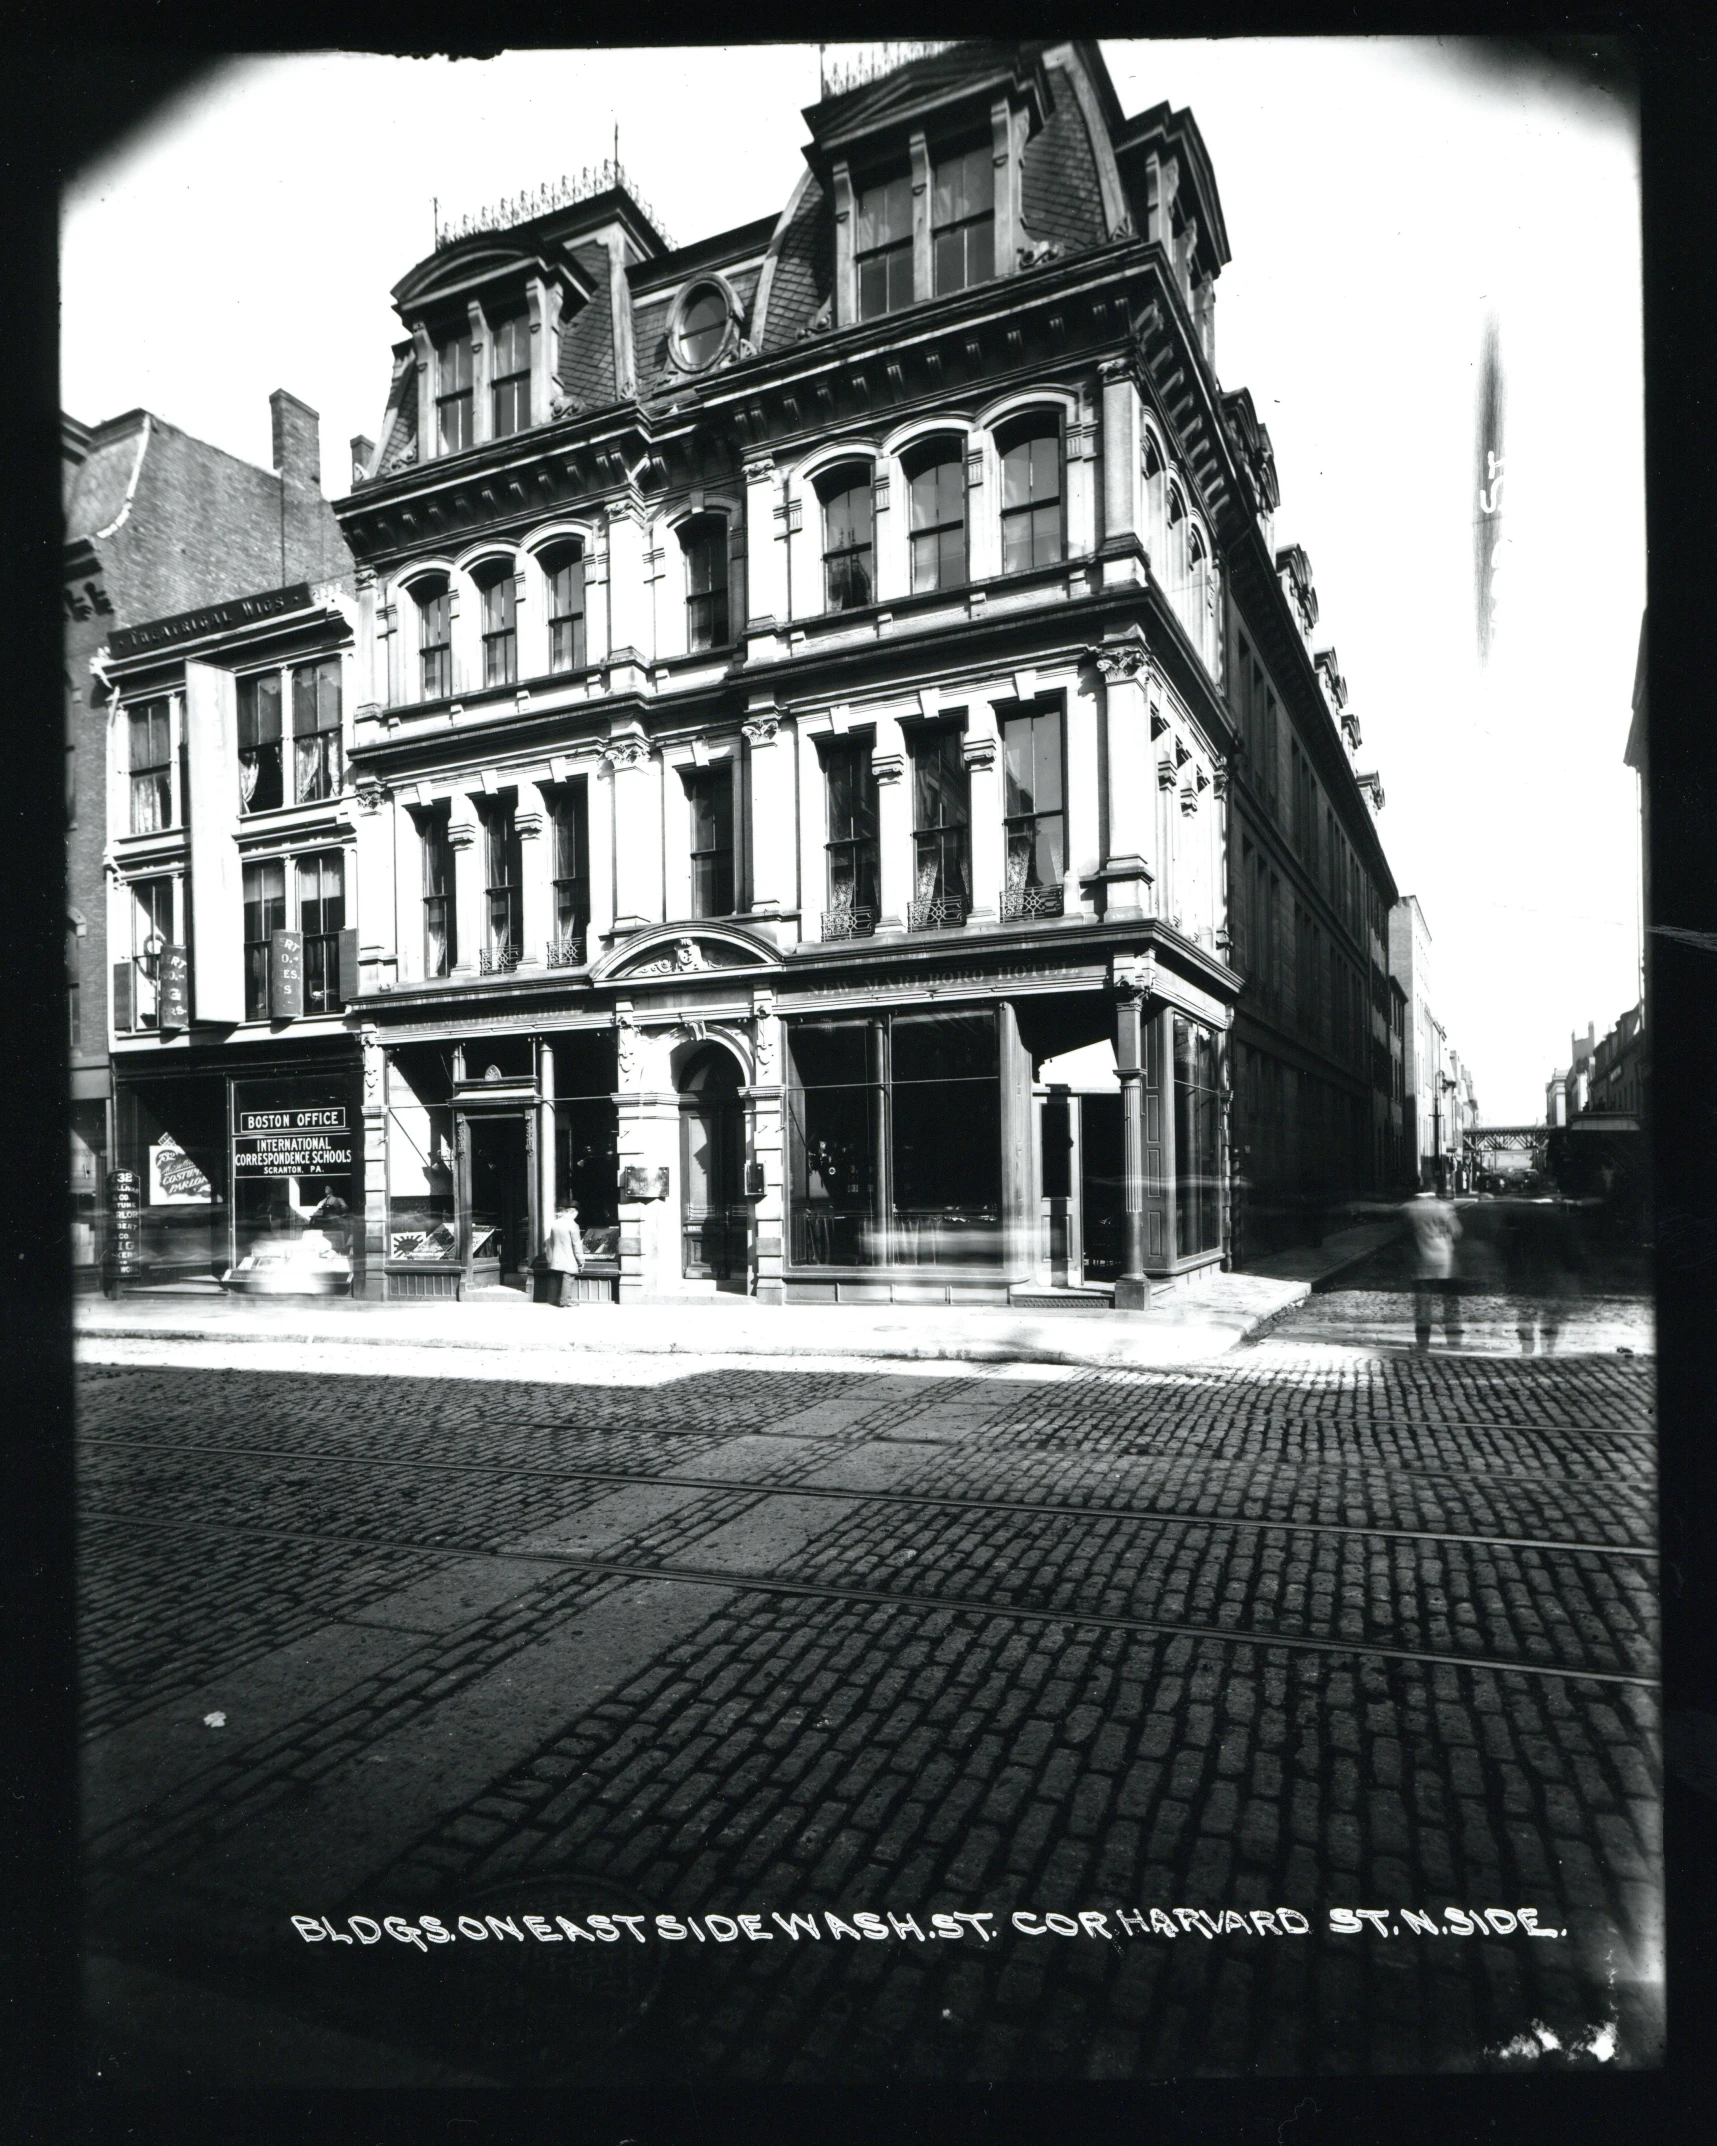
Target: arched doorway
[{"x": 714, "y": 1219}]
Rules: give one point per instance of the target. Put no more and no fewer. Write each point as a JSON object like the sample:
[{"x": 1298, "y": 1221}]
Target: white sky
[{"x": 1381, "y": 196}]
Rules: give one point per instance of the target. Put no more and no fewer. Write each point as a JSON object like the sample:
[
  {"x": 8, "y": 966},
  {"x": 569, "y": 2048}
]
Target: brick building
[{"x": 156, "y": 522}]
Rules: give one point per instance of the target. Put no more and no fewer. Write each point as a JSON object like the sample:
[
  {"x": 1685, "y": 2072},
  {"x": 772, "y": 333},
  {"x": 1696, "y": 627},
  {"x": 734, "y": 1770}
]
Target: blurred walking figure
[
  {"x": 1541, "y": 1257},
  {"x": 1434, "y": 1226}
]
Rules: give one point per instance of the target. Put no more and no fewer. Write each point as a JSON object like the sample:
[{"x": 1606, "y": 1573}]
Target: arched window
[
  {"x": 1177, "y": 506},
  {"x": 563, "y": 572},
  {"x": 848, "y": 550},
  {"x": 936, "y": 486},
  {"x": 500, "y": 622},
  {"x": 704, "y": 541},
  {"x": 1031, "y": 494},
  {"x": 1195, "y": 552},
  {"x": 1153, "y": 456},
  {"x": 434, "y": 604}
]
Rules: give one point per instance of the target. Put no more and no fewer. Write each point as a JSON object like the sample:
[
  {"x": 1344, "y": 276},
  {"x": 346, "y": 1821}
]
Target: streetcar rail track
[
  {"x": 944, "y": 1501},
  {"x": 892, "y": 1598}
]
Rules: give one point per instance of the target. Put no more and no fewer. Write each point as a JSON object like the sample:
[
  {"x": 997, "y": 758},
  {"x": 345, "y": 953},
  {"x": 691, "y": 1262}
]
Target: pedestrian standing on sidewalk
[
  {"x": 565, "y": 1255},
  {"x": 1542, "y": 1254},
  {"x": 1434, "y": 1227}
]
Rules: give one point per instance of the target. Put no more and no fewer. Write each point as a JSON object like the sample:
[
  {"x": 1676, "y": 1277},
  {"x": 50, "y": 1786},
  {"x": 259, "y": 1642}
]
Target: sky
[{"x": 1383, "y": 197}]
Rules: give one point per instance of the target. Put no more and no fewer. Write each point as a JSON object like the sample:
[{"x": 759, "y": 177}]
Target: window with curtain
[
  {"x": 1034, "y": 817},
  {"x": 710, "y": 791},
  {"x": 852, "y": 848},
  {"x": 453, "y": 393},
  {"x": 704, "y": 542},
  {"x": 151, "y": 929},
  {"x": 1031, "y": 496},
  {"x": 848, "y": 548},
  {"x": 510, "y": 374},
  {"x": 500, "y": 626},
  {"x": 264, "y": 914},
  {"x": 963, "y": 220},
  {"x": 150, "y": 738},
  {"x": 563, "y": 570},
  {"x": 503, "y": 873},
  {"x": 318, "y": 763},
  {"x": 941, "y": 831},
  {"x": 882, "y": 247},
  {"x": 434, "y": 602},
  {"x": 261, "y": 784},
  {"x": 568, "y": 813},
  {"x": 936, "y": 506},
  {"x": 440, "y": 944},
  {"x": 322, "y": 918}
]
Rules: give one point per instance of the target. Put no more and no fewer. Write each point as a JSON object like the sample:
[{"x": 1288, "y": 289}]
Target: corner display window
[{"x": 701, "y": 331}]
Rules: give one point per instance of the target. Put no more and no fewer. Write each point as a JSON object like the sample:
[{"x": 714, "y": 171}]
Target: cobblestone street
[{"x": 1323, "y": 1625}]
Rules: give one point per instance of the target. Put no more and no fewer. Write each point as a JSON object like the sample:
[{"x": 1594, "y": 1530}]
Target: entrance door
[
  {"x": 1102, "y": 1186},
  {"x": 712, "y": 1155},
  {"x": 498, "y": 1201}
]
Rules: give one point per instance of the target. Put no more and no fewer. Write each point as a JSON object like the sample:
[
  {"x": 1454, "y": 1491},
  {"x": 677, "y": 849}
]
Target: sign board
[
  {"x": 285, "y": 975},
  {"x": 125, "y": 1221},
  {"x": 215, "y": 888},
  {"x": 173, "y": 990},
  {"x": 293, "y": 1143},
  {"x": 174, "y": 1179}
]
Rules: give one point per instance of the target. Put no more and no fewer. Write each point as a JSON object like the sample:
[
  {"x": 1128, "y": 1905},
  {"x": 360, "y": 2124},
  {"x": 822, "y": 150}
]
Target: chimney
[
  {"x": 297, "y": 440},
  {"x": 363, "y": 453}
]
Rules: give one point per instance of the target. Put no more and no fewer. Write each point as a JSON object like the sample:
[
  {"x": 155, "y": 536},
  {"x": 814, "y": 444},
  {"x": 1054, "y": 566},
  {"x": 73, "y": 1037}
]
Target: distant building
[{"x": 156, "y": 522}]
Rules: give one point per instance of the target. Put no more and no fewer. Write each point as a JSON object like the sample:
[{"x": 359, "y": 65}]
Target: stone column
[
  {"x": 894, "y": 823},
  {"x": 637, "y": 834},
  {"x": 371, "y": 1230},
  {"x": 1129, "y": 852},
  {"x": 770, "y": 814},
  {"x": 464, "y": 834},
  {"x": 1132, "y": 1290},
  {"x": 984, "y": 778},
  {"x": 536, "y": 870},
  {"x": 769, "y": 1212}
]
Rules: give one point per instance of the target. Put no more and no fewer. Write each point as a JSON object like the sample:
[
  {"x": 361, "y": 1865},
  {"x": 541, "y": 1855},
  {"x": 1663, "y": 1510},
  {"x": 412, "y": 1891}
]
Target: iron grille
[
  {"x": 938, "y": 913},
  {"x": 1020, "y": 902},
  {"x": 848, "y": 923},
  {"x": 566, "y": 951},
  {"x": 498, "y": 959}
]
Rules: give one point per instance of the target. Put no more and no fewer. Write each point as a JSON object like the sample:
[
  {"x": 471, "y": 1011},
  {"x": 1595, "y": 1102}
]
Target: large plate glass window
[
  {"x": 151, "y": 763},
  {"x": 963, "y": 220},
  {"x": 1197, "y": 1140},
  {"x": 848, "y": 549},
  {"x": 1032, "y": 804},
  {"x": 936, "y": 494},
  {"x": 882, "y": 247},
  {"x": 1031, "y": 495}
]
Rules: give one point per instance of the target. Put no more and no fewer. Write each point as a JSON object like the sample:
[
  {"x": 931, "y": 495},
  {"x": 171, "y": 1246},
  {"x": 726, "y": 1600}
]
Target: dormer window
[
  {"x": 510, "y": 374},
  {"x": 453, "y": 413},
  {"x": 700, "y": 330},
  {"x": 500, "y": 625},
  {"x": 564, "y": 570},
  {"x": 963, "y": 221},
  {"x": 882, "y": 248},
  {"x": 848, "y": 549}
]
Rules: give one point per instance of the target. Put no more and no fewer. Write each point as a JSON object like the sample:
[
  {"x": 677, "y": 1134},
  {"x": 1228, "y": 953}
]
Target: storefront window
[
  {"x": 895, "y": 1141},
  {"x": 1197, "y": 1146},
  {"x": 422, "y": 1224},
  {"x": 587, "y": 1140},
  {"x": 295, "y": 1151}
]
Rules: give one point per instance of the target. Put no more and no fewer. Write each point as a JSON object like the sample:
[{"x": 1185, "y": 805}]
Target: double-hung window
[
  {"x": 510, "y": 375},
  {"x": 710, "y": 790},
  {"x": 435, "y": 639},
  {"x": 440, "y": 944},
  {"x": 317, "y": 758},
  {"x": 322, "y": 918},
  {"x": 261, "y": 777},
  {"x": 453, "y": 394},
  {"x": 1031, "y": 496},
  {"x": 264, "y": 915},
  {"x": 882, "y": 247},
  {"x": 936, "y": 493},
  {"x": 504, "y": 886},
  {"x": 941, "y": 830},
  {"x": 500, "y": 628},
  {"x": 704, "y": 542},
  {"x": 963, "y": 220},
  {"x": 564, "y": 571},
  {"x": 848, "y": 547},
  {"x": 1032, "y": 804},
  {"x": 151, "y": 930},
  {"x": 852, "y": 848},
  {"x": 569, "y": 816},
  {"x": 151, "y": 762}
]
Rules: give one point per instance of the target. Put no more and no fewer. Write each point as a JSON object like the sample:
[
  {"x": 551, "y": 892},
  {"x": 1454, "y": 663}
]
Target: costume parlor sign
[{"x": 293, "y": 1143}]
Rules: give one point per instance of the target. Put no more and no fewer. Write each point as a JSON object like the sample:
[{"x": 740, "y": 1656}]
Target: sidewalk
[{"x": 537, "y": 1341}]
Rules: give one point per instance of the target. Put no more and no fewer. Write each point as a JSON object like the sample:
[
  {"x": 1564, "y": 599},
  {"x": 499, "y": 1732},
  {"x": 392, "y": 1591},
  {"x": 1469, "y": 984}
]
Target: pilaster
[
  {"x": 536, "y": 870},
  {"x": 981, "y": 752},
  {"x": 482, "y": 407},
  {"x": 846, "y": 219},
  {"x": 770, "y": 813},
  {"x": 1130, "y": 861},
  {"x": 544, "y": 301},
  {"x": 463, "y": 831},
  {"x": 894, "y": 823},
  {"x": 923, "y": 260},
  {"x": 628, "y": 590},
  {"x": 769, "y": 1211},
  {"x": 637, "y": 833},
  {"x": 428, "y": 440}
]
